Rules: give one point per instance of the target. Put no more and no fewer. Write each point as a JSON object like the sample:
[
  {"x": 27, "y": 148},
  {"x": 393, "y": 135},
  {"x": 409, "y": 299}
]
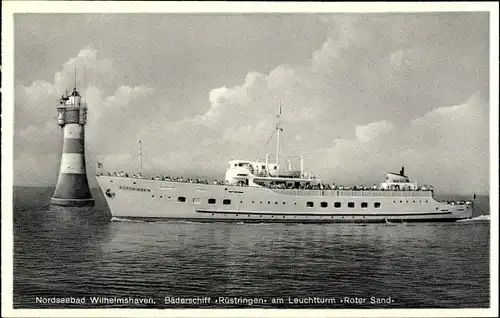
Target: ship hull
[{"x": 160, "y": 200}]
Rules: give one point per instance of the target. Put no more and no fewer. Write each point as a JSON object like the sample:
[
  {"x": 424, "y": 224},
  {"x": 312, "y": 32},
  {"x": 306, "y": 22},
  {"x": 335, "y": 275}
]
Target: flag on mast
[{"x": 99, "y": 165}]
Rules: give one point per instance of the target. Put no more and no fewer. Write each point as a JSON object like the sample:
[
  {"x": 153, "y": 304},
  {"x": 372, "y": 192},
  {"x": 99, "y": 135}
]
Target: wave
[
  {"x": 116, "y": 219},
  {"x": 484, "y": 217}
]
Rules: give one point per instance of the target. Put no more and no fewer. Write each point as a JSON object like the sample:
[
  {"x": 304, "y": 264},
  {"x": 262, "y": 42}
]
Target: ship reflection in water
[{"x": 61, "y": 253}]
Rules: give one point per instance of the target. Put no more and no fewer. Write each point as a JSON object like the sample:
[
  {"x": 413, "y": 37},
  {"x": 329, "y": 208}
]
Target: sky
[{"x": 361, "y": 94}]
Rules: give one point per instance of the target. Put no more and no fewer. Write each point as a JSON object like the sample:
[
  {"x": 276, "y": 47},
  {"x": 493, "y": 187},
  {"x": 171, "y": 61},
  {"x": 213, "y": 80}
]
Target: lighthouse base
[{"x": 72, "y": 202}]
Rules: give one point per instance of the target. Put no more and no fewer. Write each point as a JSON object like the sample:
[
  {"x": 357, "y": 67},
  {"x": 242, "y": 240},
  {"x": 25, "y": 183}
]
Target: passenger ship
[{"x": 260, "y": 191}]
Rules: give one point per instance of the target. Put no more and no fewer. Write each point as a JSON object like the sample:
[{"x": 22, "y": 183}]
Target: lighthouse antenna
[
  {"x": 75, "y": 76},
  {"x": 84, "y": 80}
]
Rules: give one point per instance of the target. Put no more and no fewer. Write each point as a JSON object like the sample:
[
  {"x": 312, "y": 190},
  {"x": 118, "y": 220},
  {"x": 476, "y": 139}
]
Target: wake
[{"x": 483, "y": 217}]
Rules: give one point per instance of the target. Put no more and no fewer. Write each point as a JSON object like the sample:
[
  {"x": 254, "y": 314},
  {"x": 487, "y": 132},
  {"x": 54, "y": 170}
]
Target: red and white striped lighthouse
[{"x": 72, "y": 185}]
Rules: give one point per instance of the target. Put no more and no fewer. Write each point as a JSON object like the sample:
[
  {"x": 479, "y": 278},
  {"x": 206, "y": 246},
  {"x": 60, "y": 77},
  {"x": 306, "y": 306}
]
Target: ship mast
[
  {"x": 140, "y": 157},
  {"x": 278, "y": 129}
]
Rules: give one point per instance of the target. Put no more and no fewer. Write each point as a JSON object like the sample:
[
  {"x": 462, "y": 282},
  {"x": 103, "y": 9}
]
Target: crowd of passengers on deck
[
  {"x": 273, "y": 185},
  {"x": 327, "y": 186}
]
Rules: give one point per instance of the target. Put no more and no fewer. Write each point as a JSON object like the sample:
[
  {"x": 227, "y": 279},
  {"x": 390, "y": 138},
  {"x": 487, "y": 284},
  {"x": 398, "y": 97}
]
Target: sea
[{"x": 83, "y": 258}]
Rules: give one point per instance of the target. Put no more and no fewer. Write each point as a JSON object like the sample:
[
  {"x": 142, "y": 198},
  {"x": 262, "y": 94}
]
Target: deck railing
[{"x": 353, "y": 193}]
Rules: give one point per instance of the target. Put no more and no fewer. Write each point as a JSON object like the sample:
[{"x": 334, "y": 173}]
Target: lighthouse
[{"x": 72, "y": 187}]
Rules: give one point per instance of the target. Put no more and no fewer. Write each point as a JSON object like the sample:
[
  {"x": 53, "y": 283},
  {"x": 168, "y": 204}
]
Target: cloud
[
  {"x": 381, "y": 91},
  {"x": 37, "y": 135},
  {"x": 445, "y": 147}
]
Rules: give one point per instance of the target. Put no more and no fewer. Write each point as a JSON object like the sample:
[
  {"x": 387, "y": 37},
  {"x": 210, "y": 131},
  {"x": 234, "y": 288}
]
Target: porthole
[
  {"x": 351, "y": 205},
  {"x": 337, "y": 204},
  {"x": 181, "y": 199},
  {"x": 134, "y": 182},
  {"x": 211, "y": 201},
  {"x": 310, "y": 204},
  {"x": 241, "y": 201},
  {"x": 376, "y": 204},
  {"x": 226, "y": 201},
  {"x": 324, "y": 204},
  {"x": 364, "y": 204}
]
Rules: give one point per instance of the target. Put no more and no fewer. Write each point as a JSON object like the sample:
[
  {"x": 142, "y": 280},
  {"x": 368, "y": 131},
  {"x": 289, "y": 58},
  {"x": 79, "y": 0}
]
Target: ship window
[
  {"x": 350, "y": 204},
  {"x": 211, "y": 201},
  {"x": 337, "y": 204},
  {"x": 196, "y": 200},
  {"x": 364, "y": 204},
  {"x": 310, "y": 204},
  {"x": 226, "y": 201},
  {"x": 181, "y": 199},
  {"x": 377, "y": 204},
  {"x": 324, "y": 204}
]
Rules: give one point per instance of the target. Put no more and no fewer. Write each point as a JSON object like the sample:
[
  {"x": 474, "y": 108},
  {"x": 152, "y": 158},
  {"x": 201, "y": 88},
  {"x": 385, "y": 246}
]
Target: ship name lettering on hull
[{"x": 134, "y": 189}]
